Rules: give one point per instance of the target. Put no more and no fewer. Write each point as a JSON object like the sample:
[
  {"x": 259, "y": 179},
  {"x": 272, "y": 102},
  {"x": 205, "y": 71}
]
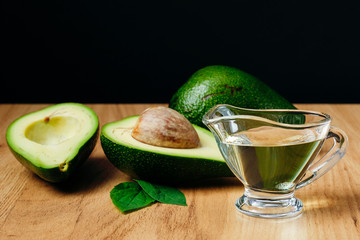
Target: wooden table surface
[{"x": 31, "y": 208}]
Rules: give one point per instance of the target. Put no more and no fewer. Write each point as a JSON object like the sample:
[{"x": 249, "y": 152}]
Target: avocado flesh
[
  {"x": 161, "y": 164},
  {"x": 218, "y": 84},
  {"x": 52, "y": 142}
]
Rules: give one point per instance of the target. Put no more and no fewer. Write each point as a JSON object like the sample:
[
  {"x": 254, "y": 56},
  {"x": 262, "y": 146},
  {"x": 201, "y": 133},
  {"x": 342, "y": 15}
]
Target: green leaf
[
  {"x": 162, "y": 193},
  {"x": 129, "y": 196}
]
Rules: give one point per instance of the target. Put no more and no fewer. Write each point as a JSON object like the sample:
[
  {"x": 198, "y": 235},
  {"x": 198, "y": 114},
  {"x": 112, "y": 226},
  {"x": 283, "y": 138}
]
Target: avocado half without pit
[
  {"x": 161, "y": 145},
  {"x": 54, "y": 141}
]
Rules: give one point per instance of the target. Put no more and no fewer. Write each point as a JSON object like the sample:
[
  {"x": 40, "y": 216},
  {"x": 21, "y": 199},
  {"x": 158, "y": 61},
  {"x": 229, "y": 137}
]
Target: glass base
[{"x": 265, "y": 205}]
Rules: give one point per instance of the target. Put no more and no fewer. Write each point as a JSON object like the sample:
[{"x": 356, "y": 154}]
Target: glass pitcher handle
[{"x": 324, "y": 164}]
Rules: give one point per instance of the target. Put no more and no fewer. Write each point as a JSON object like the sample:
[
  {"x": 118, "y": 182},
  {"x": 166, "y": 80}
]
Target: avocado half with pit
[
  {"x": 161, "y": 164},
  {"x": 54, "y": 141}
]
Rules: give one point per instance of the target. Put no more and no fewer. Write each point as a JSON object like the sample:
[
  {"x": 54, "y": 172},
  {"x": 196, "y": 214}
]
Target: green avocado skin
[
  {"x": 55, "y": 175},
  {"x": 218, "y": 84},
  {"x": 161, "y": 168}
]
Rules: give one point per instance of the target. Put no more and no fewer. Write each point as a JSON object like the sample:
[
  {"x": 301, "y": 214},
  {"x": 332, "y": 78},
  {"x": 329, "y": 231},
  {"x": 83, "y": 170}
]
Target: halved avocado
[
  {"x": 161, "y": 164},
  {"x": 54, "y": 141}
]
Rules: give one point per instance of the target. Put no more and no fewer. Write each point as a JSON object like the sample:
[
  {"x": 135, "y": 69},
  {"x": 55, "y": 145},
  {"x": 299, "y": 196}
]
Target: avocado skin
[
  {"x": 157, "y": 167},
  {"x": 54, "y": 174},
  {"x": 218, "y": 84}
]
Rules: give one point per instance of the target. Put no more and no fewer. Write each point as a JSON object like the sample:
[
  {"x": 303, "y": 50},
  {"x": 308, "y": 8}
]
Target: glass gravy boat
[{"x": 272, "y": 153}]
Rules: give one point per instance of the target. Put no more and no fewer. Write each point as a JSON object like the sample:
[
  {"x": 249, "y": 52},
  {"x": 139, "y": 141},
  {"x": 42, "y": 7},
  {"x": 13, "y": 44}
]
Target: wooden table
[{"x": 31, "y": 208}]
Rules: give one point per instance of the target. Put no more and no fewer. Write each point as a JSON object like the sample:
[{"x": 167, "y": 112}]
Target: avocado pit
[{"x": 165, "y": 127}]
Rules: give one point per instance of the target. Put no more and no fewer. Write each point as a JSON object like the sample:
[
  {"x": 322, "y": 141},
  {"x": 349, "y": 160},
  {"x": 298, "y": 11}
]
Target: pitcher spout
[{"x": 225, "y": 120}]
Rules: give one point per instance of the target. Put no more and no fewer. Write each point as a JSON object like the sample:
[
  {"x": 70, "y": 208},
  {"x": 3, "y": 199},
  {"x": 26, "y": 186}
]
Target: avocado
[
  {"x": 218, "y": 84},
  {"x": 161, "y": 164},
  {"x": 54, "y": 141}
]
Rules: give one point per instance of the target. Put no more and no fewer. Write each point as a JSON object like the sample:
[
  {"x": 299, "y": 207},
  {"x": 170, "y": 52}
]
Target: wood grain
[{"x": 81, "y": 208}]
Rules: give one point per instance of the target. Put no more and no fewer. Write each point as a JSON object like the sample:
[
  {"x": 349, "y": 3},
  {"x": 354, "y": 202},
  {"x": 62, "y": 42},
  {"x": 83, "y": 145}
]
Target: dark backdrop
[{"x": 142, "y": 51}]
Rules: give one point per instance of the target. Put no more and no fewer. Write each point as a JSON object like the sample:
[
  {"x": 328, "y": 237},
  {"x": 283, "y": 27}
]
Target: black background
[{"x": 142, "y": 51}]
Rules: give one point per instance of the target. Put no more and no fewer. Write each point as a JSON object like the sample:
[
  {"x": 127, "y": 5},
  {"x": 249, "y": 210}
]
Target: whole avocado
[{"x": 219, "y": 84}]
